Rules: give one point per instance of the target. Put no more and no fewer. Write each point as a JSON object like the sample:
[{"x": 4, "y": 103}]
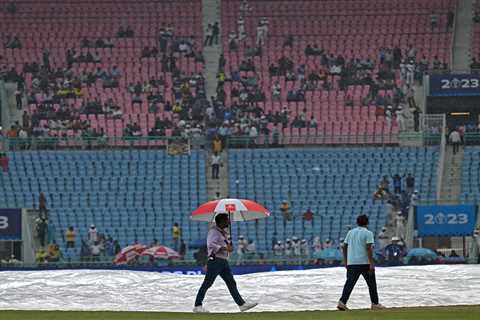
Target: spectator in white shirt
[
  {"x": 278, "y": 249},
  {"x": 241, "y": 29},
  {"x": 305, "y": 248},
  {"x": 253, "y": 132},
  {"x": 92, "y": 234},
  {"x": 215, "y": 162},
  {"x": 251, "y": 247},
  {"x": 296, "y": 246},
  {"x": 455, "y": 139},
  {"x": 317, "y": 245},
  {"x": 383, "y": 239},
  {"x": 276, "y": 91},
  {"x": 96, "y": 249}
]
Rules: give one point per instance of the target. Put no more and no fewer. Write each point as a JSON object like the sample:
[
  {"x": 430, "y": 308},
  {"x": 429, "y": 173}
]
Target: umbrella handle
[{"x": 230, "y": 227}]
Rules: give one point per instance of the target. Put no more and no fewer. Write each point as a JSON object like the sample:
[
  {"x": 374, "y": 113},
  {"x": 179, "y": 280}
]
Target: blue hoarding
[
  {"x": 446, "y": 220},
  {"x": 455, "y": 85},
  {"x": 10, "y": 224}
]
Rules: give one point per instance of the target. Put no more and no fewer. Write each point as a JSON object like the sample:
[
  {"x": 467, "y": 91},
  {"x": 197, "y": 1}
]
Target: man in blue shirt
[
  {"x": 358, "y": 258},
  {"x": 219, "y": 249}
]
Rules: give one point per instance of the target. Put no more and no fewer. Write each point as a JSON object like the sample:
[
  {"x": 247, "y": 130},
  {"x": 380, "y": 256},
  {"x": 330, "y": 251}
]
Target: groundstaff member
[
  {"x": 358, "y": 257},
  {"x": 219, "y": 248}
]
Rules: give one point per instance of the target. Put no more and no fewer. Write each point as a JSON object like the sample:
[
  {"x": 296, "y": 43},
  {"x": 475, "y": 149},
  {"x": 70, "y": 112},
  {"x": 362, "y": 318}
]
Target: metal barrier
[{"x": 85, "y": 143}]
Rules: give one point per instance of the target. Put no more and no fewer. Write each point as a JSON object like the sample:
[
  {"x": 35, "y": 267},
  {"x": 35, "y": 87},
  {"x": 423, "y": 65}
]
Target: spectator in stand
[
  {"x": 4, "y": 160},
  {"x": 285, "y": 210},
  {"x": 394, "y": 252},
  {"x": 397, "y": 183},
  {"x": 208, "y": 35},
  {"x": 296, "y": 246},
  {"x": 450, "y": 20},
  {"x": 327, "y": 244},
  {"x": 455, "y": 140},
  {"x": 278, "y": 249},
  {"x": 382, "y": 239},
  {"x": 183, "y": 249},
  {"x": 410, "y": 183},
  {"x": 305, "y": 248},
  {"x": 70, "y": 236},
  {"x": 215, "y": 163},
  {"x": 400, "y": 225},
  {"x": 92, "y": 234},
  {"x": 53, "y": 252},
  {"x": 276, "y": 91},
  {"x": 176, "y": 235},
  {"x": 116, "y": 247},
  {"x": 215, "y": 33},
  {"x": 217, "y": 145},
  {"x": 18, "y": 99},
  {"x": 42, "y": 204},
  {"x": 41, "y": 226},
  {"x": 251, "y": 248},
  {"x": 241, "y": 248},
  {"x": 308, "y": 215},
  {"x": 41, "y": 256},
  {"x": 96, "y": 249},
  {"x": 288, "y": 250},
  {"x": 317, "y": 245}
]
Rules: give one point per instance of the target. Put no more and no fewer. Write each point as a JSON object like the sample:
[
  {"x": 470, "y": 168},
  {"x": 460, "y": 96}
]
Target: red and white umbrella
[
  {"x": 238, "y": 210},
  {"x": 129, "y": 253},
  {"x": 161, "y": 252}
]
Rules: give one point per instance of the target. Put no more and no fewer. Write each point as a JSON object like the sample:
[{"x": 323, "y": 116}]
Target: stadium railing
[{"x": 81, "y": 143}]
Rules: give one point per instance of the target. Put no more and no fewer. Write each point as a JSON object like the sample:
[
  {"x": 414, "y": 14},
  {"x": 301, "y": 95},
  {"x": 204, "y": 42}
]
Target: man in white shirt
[
  {"x": 96, "y": 249},
  {"x": 278, "y": 249},
  {"x": 383, "y": 239},
  {"x": 358, "y": 258},
  {"x": 455, "y": 139},
  {"x": 241, "y": 249},
  {"x": 288, "y": 248},
  {"x": 276, "y": 90},
  {"x": 216, "y": 160},
  {"x": 400, "y": 225},
  {"x": 251, "y": 248},
  {"x": 296, "y": 246},
  {"x": 92, "y": 234},
  {"x": 305, "y": 248}
]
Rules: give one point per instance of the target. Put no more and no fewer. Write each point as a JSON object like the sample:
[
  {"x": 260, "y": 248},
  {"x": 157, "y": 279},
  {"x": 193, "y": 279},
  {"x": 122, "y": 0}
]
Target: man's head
[
  {"x": 222, "y": 221},
  {"x": 362, "y": 220}
]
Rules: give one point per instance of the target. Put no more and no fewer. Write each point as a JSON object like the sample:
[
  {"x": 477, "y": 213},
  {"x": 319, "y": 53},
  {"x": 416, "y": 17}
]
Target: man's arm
[
  {"x": 345, "y": 253},
  {"x": 370, "y": 256}
]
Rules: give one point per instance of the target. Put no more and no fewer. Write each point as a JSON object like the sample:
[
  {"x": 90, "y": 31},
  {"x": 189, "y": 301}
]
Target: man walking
[
  {"x": 358, "y": 257},
  {"x": 219, "y": 249},
  {"x": 455, "y": 139},
  {"x": 216, "y": 160}
]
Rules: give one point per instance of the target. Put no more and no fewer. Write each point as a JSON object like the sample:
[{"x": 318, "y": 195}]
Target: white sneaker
[
  {"x": 378, "y": 306},
  {"x": 200, "y": 309},
  {"x": 247, "y": 306},
  {"x": 342, "y": 306}
]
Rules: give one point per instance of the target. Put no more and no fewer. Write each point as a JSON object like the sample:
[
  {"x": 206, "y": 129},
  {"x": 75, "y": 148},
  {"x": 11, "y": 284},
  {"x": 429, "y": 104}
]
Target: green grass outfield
[{"x": 437, "y": 313}]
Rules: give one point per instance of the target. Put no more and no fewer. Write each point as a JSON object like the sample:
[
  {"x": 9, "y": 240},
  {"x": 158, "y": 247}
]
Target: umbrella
[
  {"x": 129, "y": 253},
  {"x": 161, "y": 252},
  {"x": 421, "y": 252},
  {"x": 238, "y": 210},
  {"x": 330, "y": 254}
]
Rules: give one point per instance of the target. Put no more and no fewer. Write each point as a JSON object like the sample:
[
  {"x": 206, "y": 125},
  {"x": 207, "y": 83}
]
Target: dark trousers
[
  {"x": 214, "y": 268},
  {"x": 353, "y": 273},
  {"x": 456, "y": 147},
  {"x": 215, "y": 171}
]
